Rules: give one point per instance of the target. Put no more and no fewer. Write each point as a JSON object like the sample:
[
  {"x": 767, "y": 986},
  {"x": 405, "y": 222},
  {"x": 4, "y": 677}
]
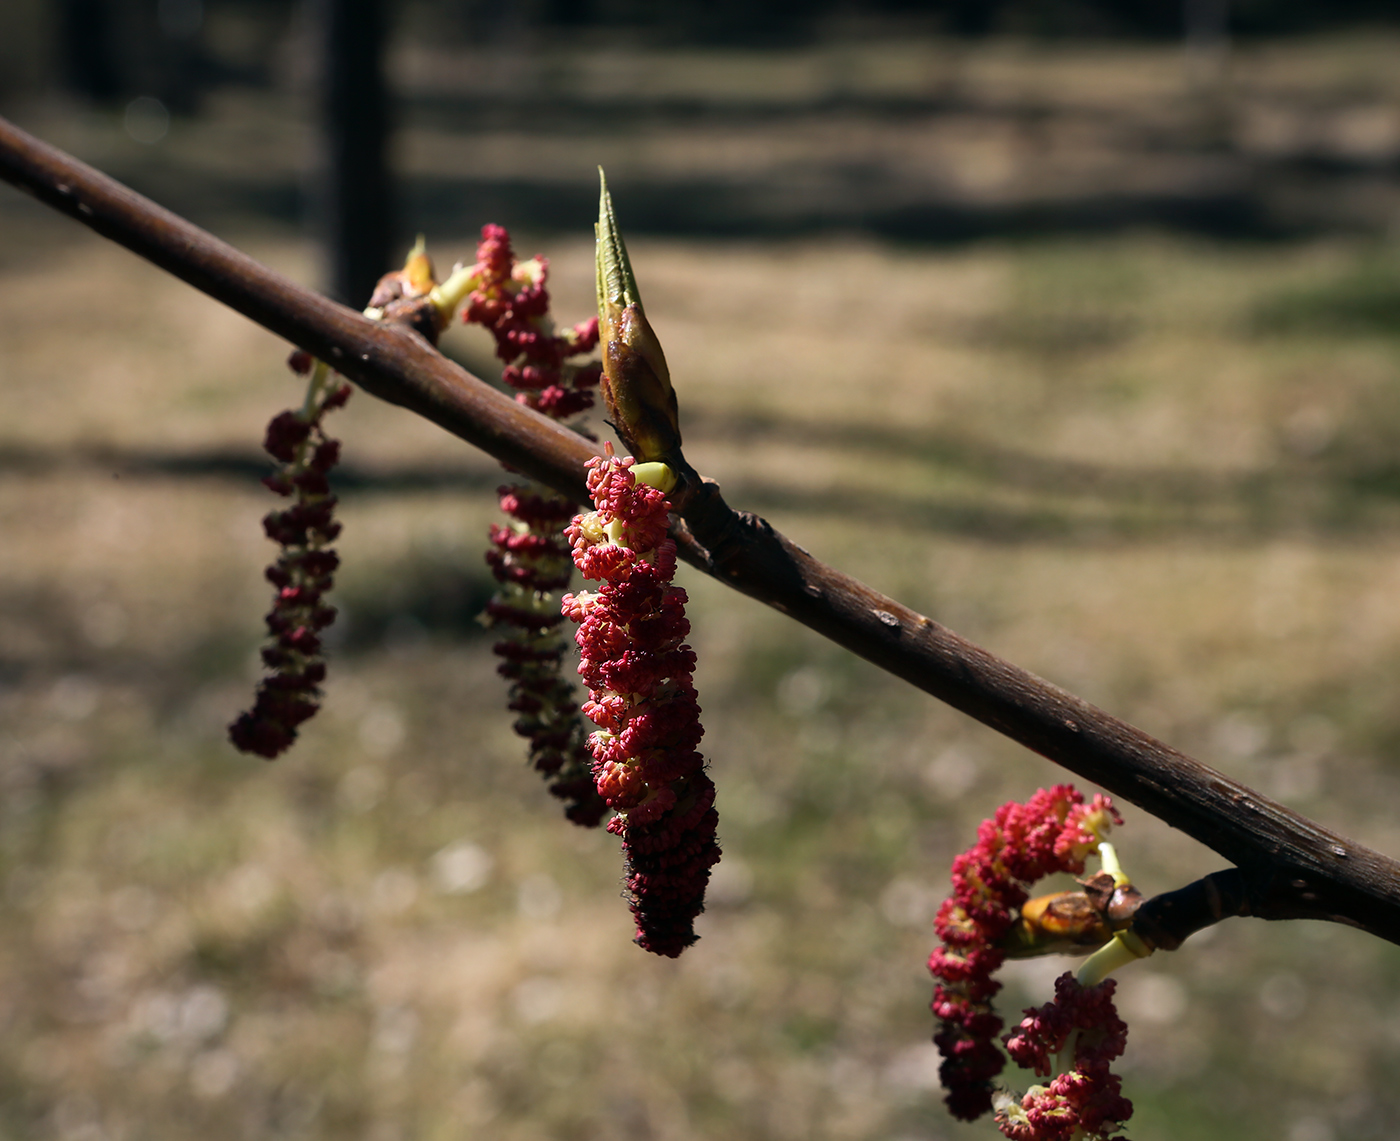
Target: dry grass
[{"x": 1156, "y": 471}]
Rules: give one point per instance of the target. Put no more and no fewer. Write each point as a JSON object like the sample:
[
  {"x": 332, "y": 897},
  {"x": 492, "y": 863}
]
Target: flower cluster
[
  {"x": 1086, "y": 1098},
  {"x": 529, "y": 557},
  {"x": 638, "y": 671},
  {"x": 302, "y": 573},
  {"x": 1052, "y": 832},
  {"x": 511, "y": 301}
]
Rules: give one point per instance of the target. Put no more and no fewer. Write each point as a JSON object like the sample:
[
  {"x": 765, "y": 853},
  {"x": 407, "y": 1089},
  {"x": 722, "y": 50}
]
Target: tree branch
[
  {"x": 1166, "y": 921},
  {"x": 1289, "y": 867}
]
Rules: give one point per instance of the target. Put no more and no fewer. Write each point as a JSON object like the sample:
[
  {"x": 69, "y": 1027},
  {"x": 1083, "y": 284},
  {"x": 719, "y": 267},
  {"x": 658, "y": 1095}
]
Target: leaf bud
[{"x": 636, "y": 382}]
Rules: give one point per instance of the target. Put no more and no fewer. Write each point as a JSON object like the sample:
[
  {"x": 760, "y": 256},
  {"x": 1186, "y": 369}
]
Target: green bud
[
  {"x": 636, "y": 382},
  {"x": 655, "y": 475}
]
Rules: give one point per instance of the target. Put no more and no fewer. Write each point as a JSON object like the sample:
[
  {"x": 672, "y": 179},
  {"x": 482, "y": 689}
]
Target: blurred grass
[
  {"x": 1156, "y": 470},
  {"x": 1363, "y": 299}
]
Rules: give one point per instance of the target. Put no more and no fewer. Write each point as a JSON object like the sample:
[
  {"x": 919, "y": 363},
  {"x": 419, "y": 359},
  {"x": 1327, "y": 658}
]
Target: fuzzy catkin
[
  {"x": 528, "y": 555},
  {"x": 637, "y": 667}
]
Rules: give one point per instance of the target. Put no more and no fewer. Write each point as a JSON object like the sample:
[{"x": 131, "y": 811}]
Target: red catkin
[
  {"x": 638, "y": 672},
  {"x": 1055, "y": 831},
  {"x": 529, "y": 556},
  {"x": 303, "y": 572}
]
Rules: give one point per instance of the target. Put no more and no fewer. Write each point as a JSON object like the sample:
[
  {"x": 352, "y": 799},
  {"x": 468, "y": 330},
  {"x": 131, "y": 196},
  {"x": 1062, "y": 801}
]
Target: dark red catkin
[
  {"x": 637, "y": 665},
  {"x": 303, "y": 572},
  {"x": 529, "y": 556}
]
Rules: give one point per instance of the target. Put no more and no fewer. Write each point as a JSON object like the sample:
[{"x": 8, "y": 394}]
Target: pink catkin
[
  {"x": 1055, "y": 831},
  {"x": 638, "y": 671},
  {"x": 529, "y": 556},
  {"x": 302, "y": 574}
]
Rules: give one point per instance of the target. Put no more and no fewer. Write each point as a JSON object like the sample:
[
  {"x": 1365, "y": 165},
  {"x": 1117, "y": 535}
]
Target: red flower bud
[
  {"x": 337, "y": 398},
  {"x": 302, "y": 640},
  {"x": 326, "y": 456},
  {"x": 285, "y": 434}
]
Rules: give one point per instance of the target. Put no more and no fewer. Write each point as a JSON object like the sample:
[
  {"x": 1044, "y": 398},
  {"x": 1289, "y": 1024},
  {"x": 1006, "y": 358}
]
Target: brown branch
[
  {"x": 386, "y": 360},
  {"x": 1166, "y": 921},
  {"x": 1289, "y": 866}
]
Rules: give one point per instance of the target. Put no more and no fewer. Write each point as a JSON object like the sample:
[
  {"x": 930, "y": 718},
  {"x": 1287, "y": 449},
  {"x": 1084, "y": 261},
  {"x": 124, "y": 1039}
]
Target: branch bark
[{"x": 1289, "y": 867}]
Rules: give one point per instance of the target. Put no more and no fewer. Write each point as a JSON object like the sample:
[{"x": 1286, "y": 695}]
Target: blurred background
[{"x": 1075, "y": 325}]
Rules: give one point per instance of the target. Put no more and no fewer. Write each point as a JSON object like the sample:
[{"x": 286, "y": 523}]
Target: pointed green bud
[
  {"x": 617, "y": 284},
  {"x": 636, "y": 382}
]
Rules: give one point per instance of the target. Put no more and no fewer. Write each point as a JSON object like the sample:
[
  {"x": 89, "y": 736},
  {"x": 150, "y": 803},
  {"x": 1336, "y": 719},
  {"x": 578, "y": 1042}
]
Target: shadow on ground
[{"x": 1337, "y": 493}]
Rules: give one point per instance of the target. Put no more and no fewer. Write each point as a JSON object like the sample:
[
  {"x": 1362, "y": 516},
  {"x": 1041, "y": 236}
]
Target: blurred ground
[
  {"x": 907, "y": 139},
  {"x": 1152, "y": 460}
]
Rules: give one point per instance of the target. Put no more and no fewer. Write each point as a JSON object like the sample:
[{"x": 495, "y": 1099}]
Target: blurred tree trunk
[
  {"x": 182, "y": 67},
  {"x": 1206, "y": 28},
  {"x": 355, "y": 112},
  {"x": 88, "y": 49}
]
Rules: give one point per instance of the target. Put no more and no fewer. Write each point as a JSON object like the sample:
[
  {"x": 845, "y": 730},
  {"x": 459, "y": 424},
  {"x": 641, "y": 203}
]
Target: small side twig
[{"x": 1166, "y": 921}]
